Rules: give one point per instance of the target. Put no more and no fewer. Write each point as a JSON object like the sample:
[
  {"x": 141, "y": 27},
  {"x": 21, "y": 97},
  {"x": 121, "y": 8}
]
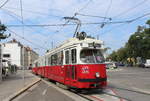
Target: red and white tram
[{"x": 76, "y": 63}]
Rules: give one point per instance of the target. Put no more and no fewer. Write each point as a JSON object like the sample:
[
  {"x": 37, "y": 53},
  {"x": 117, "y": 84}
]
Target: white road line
[
  {"x": 72, "y": 95},
  {"x": 141, "y": 90},
  {"x": 44, "y": 92}
]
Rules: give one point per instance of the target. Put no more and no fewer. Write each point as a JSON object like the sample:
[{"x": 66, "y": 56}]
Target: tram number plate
[{"x": 85, "y": 70}]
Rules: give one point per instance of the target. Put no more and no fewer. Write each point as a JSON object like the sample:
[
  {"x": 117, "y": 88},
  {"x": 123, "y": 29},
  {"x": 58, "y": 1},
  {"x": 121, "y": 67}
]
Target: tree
[
  {"x": 138, "y": 45},
  {"x": 148, "y": 23},
  {"x": 113, "y": 56},
  {"x": 2, "y": 30}
]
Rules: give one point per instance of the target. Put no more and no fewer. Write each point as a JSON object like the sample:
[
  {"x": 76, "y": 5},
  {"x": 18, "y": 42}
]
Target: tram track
[
  {"x": 84, "y": 96},
  {"x": 87, "y": 97},
  {"x": 97, "y": 95},
  {"x": 91, "y": 97}
]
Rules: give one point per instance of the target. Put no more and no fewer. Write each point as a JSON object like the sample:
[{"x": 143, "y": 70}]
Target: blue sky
[{"x": 53, "y": 11}]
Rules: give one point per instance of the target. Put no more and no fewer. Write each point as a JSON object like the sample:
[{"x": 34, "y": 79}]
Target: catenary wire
[
  {"x": 93, "y": 16},
  {"x": 18, "y": 19},
  {"x": 35, "y": 12},
  {"x": 15, "y": 17},
  {"x": 26, "y": 39},
  {"x": 130, "y": 9},
  {"x": 4, "y": 4},
  {"x": 85, "y": 6},
  {"x": 88, "y": 23},
  {"x": 109, "y": 6}
]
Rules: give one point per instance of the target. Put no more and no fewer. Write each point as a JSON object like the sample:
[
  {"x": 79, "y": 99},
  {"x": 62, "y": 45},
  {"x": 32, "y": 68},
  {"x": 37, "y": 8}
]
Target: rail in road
[{"x": 108, "y": 94}]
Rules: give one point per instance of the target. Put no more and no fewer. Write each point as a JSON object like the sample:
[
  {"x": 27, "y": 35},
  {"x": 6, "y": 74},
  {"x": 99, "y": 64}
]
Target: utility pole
[{"x": 2, "y": 36}]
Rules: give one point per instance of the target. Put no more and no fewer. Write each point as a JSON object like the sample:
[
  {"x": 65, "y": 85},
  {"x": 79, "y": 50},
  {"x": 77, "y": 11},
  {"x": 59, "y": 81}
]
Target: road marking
[
  {"x": 113, "y": 70},
  {"x": 68, "y": 93},
  {"x": 96, "y": 98},
  {"x": 44, "y": 92},
  {"x": 116, "y": 93},
  {"x": 141, "y": 90}
]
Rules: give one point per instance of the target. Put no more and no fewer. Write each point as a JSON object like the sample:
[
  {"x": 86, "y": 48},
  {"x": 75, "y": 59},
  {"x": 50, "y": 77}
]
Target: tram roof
[{"x": 74, "y": 41}]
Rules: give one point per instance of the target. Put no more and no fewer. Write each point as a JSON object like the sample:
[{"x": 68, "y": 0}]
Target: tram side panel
[{"x": 70, "y": 75}]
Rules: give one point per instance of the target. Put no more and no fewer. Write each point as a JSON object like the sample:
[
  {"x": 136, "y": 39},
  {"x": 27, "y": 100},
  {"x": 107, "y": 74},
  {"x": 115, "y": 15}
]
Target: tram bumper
[
  {"x": 92, "y": 83},
  {"x": 93, "y": 80}
]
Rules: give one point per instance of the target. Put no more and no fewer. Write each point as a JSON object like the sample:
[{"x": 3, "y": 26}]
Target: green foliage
[
  {"x": 148, "y": 22},
  {"x": 138, "y": 45}
]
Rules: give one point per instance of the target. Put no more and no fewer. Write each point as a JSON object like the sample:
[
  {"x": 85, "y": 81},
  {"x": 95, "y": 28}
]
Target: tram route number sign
[{"x": 85, "y": 70}]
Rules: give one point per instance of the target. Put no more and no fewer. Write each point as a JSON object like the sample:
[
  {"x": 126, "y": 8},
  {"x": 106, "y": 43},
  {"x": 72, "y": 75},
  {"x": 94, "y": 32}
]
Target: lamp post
[{"x": 2, "y": 37}]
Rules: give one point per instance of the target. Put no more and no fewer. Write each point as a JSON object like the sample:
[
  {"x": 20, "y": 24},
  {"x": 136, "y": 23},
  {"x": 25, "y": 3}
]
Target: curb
[{"x": 13, "y": 96}]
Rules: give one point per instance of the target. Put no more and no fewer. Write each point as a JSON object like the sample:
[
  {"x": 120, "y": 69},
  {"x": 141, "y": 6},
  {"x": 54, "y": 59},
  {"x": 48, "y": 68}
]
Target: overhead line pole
[{"x": 23, "y": 49}]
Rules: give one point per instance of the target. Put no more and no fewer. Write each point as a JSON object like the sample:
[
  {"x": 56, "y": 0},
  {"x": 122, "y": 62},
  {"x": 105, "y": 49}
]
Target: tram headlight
[{"x": 97, "y": 74}]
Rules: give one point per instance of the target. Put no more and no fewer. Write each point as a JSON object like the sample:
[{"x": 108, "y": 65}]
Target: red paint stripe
[
  {"x": 115, "y": 93},
  {"x": 96, "y": 98}
]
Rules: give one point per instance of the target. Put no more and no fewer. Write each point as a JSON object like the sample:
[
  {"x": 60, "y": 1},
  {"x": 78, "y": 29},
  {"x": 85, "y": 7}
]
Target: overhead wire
[
  {"x": 109, "y": 6},
  {"x": 4, "y": 4},
  {"x": 93, "y": 16},
  {"x": 130, "y": 9},
  {"x": 35, "y": 12},
  {"x": 26, "y": 39},
  {"x": 18, "y": 19},
  {"x": 75, "y": 15},
  {"x": 87, "y": 23},
  {"x": 8, "y": 12},
  {"x": 85, "y": 6}
]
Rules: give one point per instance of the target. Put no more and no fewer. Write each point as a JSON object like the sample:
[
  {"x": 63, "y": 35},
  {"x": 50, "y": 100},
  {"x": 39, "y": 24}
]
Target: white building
[{"x": 18, "y": 54}]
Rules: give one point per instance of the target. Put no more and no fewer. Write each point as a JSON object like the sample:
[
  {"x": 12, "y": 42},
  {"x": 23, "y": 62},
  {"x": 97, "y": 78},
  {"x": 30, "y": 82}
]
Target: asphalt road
[
  {"x": 43, "y": 92},
  {"x": 124, "y": 84},
  {"x": 130, "y": 83}
]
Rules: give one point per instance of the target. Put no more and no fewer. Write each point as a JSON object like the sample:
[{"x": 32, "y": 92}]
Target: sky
[{"x": 47, "y": 12}]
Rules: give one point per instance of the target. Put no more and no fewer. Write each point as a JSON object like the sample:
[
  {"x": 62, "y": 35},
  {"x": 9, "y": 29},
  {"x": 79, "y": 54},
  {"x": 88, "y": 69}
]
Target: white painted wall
[{"x": 15, "y": 52}]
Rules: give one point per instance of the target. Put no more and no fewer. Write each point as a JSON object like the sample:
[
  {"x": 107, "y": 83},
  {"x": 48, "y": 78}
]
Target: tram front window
[{"x": 91, "y": 56}]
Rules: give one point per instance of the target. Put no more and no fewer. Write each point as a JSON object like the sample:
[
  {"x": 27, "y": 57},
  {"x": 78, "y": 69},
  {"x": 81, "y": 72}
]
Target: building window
[{"x": 6, "y": 55}]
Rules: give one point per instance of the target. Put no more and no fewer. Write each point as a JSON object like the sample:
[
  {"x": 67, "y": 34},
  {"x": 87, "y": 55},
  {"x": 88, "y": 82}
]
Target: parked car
[
  {"x": 120, "y": 64},
  {"x": 147, "y": 64},
  {"x": 111, "y": 65},
  {"x": 141, "y": 65}
]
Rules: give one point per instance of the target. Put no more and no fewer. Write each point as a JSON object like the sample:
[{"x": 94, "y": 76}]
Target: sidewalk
[{"x": 14, "y": 83}]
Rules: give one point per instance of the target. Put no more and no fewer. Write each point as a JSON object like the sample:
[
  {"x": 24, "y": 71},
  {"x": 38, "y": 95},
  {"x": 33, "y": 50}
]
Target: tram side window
[
  {"x": 73, "y": 55},
  {"x": 36, "y": 64},
  {"x": 49, "y": 61},
  {"x": 67, "y": 57},
  {"x": 60, "y": 58},
  {"x": 54, "y": 59}
]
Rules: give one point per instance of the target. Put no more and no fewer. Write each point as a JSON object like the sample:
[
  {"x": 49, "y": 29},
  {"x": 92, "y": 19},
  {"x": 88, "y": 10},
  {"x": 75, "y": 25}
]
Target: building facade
[{"x": 18, "y": 54}]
